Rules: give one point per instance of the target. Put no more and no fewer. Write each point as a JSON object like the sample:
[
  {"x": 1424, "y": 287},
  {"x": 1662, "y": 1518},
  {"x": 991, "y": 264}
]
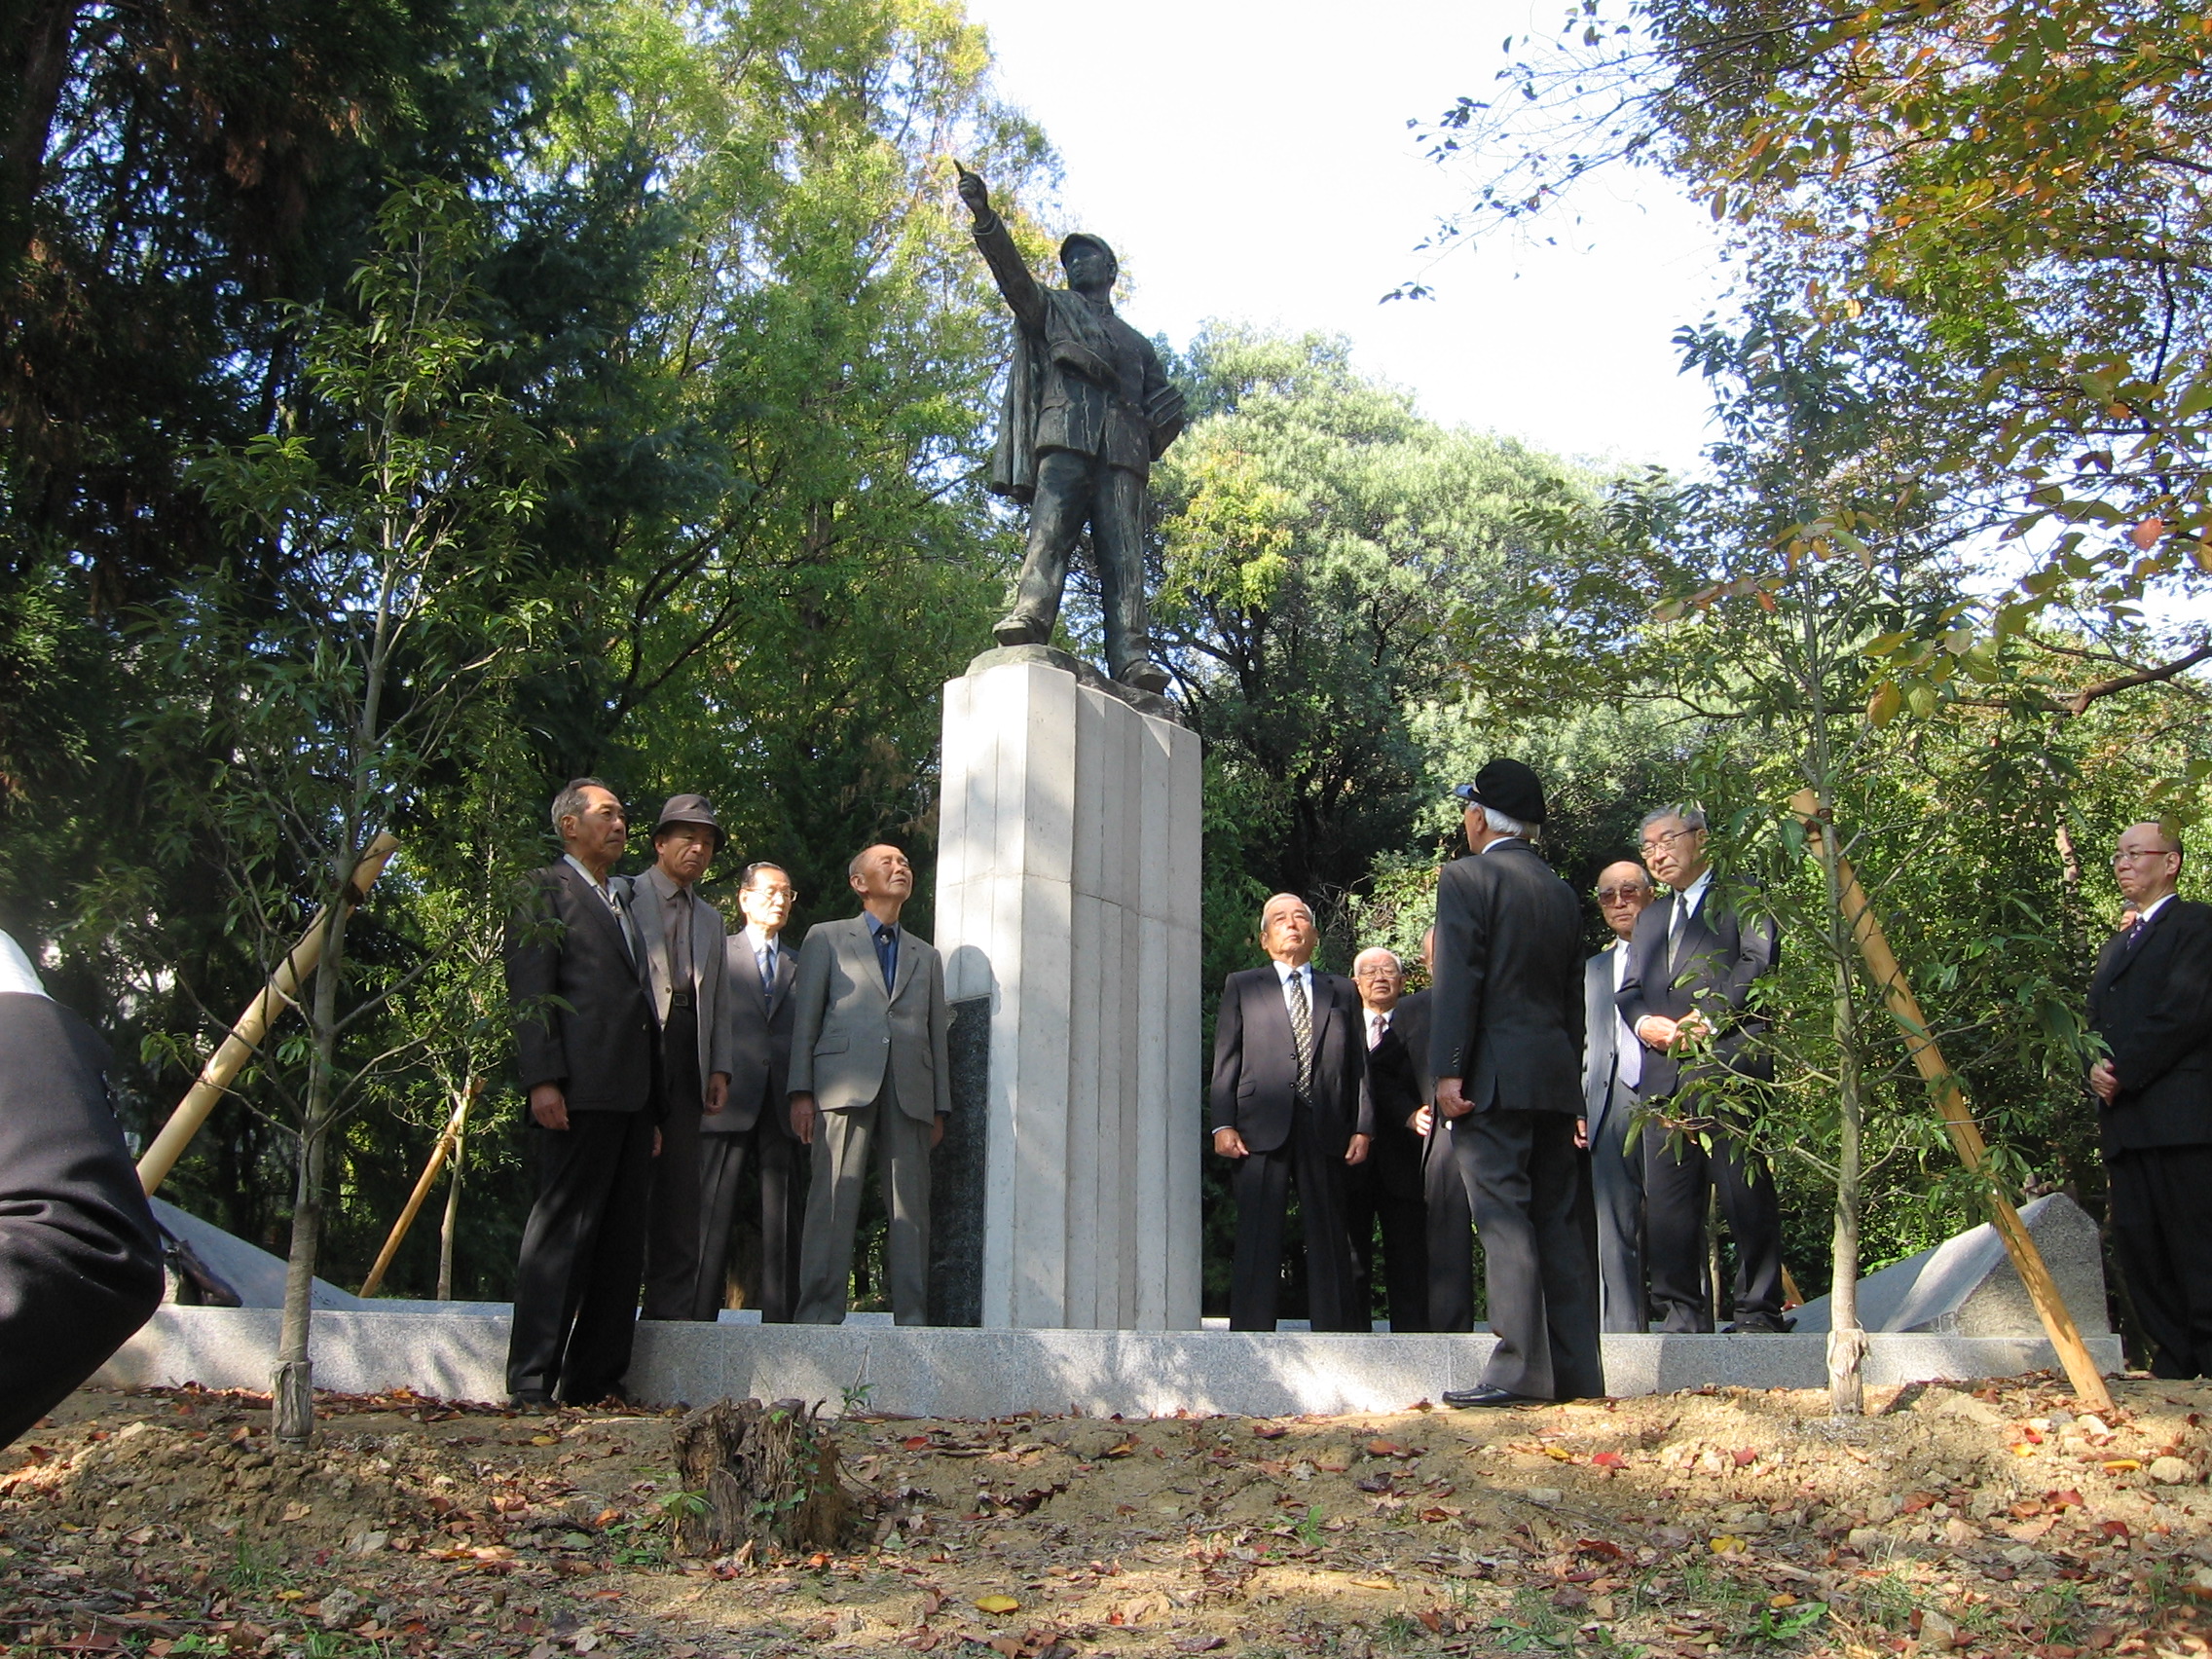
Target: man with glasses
[
  {"x": 1693, "y": 957},
  {"x": 2151, "y": 1003},
  {"x": 1386, "y": 1188},
  {"x": 1612, "y": 1061}
]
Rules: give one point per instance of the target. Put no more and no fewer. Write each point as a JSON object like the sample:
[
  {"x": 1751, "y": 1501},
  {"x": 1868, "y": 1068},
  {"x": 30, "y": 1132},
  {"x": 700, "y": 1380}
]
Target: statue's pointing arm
[{"x": 1014, "y": 282}]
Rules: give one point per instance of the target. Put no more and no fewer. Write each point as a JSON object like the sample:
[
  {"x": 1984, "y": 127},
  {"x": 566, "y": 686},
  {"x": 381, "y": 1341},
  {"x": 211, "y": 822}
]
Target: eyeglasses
[
  {"x": 1620, "y": 895},
  {"x": 2128, "y": 855},
  {"x": 1660, "y": 842}
]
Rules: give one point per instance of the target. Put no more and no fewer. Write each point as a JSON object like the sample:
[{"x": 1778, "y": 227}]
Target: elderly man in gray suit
[
  {"x": 868, "y": 1072},
  {"x": 1612, "y": 1061},
  {"x": 683, "y": 961}
]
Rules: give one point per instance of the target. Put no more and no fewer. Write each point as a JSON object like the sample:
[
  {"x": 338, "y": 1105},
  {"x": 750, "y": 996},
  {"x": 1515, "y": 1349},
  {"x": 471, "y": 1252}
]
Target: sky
[{"x": 1251, "y": 162}]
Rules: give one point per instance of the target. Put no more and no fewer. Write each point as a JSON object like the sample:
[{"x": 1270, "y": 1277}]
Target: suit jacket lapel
[
  {"x": 2120, "y": 958},
  {"x": 861, "y": 960},
  {"x": 592, "y": 903},
  {"x": 903, "y": 970}
]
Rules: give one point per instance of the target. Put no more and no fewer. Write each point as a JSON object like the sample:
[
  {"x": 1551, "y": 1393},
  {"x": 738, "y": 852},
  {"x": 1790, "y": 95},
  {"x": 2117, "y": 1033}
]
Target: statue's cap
[{"x": 1083, "y": 239}]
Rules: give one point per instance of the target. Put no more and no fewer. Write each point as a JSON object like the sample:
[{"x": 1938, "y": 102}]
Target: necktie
[
  {"x": 2135, "y": 933},
  {"x": 1302, "y": 1034},
  {"x": 887, "y": 952},
  {"x": 1377, "y": 1024},
  {"x": 680, "y": 970},
  {"x": 1678, "y": 918},
  {"x": 614, "y": 892},
  {"x": 768, "y": 969}
]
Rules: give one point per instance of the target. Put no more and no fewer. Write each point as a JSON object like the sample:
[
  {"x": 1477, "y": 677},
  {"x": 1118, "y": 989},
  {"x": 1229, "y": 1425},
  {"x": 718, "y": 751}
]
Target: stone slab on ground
[
  {"x": 922, "y": 1371},
  {"x": 1966, "y": 1285}
]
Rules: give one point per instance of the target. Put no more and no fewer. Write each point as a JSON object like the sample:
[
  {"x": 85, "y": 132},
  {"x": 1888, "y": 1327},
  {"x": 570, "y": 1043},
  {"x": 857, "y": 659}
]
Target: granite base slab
[{"x": 954, "y": 1372}]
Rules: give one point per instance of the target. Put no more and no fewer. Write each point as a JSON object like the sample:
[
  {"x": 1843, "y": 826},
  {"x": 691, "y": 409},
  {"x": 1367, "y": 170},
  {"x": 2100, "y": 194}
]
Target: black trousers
[
  {"x": 1676, "y": 1174},
  {"x": 583, "y": 1252},
  {"x": 2161, "y": 1234},
  {"x": 1387, "y": 1188},
  {"x": 1529, "y": 1185},
  {"x": 1450, "y": 1228},
  {"x": 1262, "y": 1185},
  {"x": 782, "y": 1162},
  {"x": 673, "y": 1234}
]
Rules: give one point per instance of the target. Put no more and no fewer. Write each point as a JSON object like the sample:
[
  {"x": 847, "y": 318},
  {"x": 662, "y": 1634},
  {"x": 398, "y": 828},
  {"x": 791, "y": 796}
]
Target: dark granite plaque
[{"x": 956, "y": 1173}]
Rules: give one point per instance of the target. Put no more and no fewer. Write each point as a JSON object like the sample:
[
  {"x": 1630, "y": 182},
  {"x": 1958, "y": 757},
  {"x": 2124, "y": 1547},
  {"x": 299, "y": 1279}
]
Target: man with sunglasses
[{"x": 1612, "y": 1061}]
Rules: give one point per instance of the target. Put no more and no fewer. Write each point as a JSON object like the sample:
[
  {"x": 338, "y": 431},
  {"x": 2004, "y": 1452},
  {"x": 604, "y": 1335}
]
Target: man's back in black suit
[
  {"x": 2151, "y": 1002},
  {"x": 80, "y": 1258},
  {"x": 1507, "y": 1048}
]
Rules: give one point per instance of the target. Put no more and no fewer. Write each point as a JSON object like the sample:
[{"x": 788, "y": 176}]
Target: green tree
[{"x": 343, "y": 684}]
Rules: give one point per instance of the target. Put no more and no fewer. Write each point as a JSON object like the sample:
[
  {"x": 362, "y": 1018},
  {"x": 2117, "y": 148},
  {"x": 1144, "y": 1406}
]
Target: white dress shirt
[
  {"x": 761, "y": 944},
  {"x": 1627, "y": 1047},
  {"x": 17, "y": 977},
  {"x": 1304, "y": 971}
]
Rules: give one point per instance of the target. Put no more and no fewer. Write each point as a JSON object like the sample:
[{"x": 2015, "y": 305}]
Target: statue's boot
[
  {"x": 1020, "y": 630},
  {"x": 1144, "y": 675}
]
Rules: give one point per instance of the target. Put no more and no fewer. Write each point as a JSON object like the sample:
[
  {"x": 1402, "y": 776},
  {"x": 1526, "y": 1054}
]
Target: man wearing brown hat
[
  {"x": 1506, "y": 1045},
  {"x": 683, "y": 955}
]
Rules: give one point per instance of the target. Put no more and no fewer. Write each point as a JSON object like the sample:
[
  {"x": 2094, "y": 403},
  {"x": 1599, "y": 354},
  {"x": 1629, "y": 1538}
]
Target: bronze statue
[{"x": 1088, "y": 411}]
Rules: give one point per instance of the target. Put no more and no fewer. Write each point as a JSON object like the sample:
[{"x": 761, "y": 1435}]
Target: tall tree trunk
[
  {"x": 1846, "y": 1340},
  {"x": 453, "y": 1194}
]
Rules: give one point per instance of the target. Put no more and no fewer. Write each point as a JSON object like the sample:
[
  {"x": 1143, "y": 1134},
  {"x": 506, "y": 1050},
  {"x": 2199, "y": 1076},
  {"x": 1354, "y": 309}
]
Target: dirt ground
[{"x": 1981, "y": 1521}]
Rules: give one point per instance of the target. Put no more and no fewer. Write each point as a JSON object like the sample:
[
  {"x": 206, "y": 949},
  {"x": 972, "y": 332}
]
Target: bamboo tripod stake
[
  {"x": 245, "y": 1037},
  {"x": 1966, "y": 1135},
  {"x": 413, "y": 1207}
]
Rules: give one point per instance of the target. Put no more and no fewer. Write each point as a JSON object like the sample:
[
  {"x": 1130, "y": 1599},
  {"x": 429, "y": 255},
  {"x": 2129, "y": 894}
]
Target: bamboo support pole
[
  {"x": 245, "y": 1037},
  {"x": 447, "y": 1141},
  {"x": 1966, "y": 1134}
]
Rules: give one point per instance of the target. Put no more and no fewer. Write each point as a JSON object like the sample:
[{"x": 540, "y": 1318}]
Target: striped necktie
[{"x": 1302, "y": 1033}]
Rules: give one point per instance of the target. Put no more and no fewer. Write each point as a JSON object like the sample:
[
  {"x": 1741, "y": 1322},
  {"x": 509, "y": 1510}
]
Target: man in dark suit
[
  {"x": 1384, "y": 1188},
  {"x": 870, "y": 1075},
  {"x": 80, "y": 1258},
  {"x": 756, "y": 1119},
  {"x": 587, "y": 1048},
  {"x": 1450, "y": 1227},
  {"x": 1288, "y": 1102},
  {"x": 2151, "y": 1002},
  {"x": 1612, "y": 1061},
  {"x": 684, "y": 956},
  {"x": 1506, "y": 1044},
  {"x": 1693, "y": 958}
]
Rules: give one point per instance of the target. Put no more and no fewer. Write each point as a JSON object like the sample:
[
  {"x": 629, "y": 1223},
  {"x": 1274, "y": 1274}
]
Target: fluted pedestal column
[{"x": 1067, "y": 909}]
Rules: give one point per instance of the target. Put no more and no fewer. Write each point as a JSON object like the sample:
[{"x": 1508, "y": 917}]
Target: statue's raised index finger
[{"x": 1088, "y": 411}]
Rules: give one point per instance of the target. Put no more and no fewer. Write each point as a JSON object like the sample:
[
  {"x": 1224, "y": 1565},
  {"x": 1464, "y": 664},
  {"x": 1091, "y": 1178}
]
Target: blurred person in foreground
[
  {"x": 1612, "y": 1061},
  {"x": 80, "y": 1257}
]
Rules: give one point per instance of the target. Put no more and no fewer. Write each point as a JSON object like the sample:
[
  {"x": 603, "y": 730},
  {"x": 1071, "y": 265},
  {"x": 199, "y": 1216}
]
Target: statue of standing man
[{"x": 1088, "y": 411}]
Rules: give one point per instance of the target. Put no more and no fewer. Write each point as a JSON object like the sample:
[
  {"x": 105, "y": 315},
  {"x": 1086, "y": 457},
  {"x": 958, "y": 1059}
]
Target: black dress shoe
[
  {"x": 1488, "y": 1394},
  {"x": 529, "y": 1399},
  {"x": 1761, "y": 1325}
]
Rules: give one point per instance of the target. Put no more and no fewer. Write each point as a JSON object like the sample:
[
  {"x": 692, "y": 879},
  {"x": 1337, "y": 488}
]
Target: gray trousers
[
  {"x": 1616, "y": 1183},
  {"x": 842, "y": 1141}
]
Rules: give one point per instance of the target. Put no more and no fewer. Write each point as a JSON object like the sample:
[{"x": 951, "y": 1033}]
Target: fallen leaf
[
  {"x": 543, "y": 1440},
  {"x": 1384, "y": 1448},
  {"x": 1270, "y": 1430},
  {"x": 1727, "y": 1543},
  {"x": 915, "y": 1442},
  {"x": 1600, "y": 1547},
  {"x": 1559, "y": 1454},
  {"x": 2122, "y": 1465},
  {"x": 1609, "y": 1460},
  {"x": 997, "y": 1603},
  {"x": 1745, "y": 1456},
  {"x": 1199, "y": 1643},
  {"x": 1125, "y": 1449}
]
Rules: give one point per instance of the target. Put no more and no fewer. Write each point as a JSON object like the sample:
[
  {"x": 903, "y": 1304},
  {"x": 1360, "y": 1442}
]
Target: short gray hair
[
  {"x": 1692, "y": 817},
  {"x": 570, "y": 802},
  {"x": 1396, "y": 961},
  {"x": 1500, "y": 825}
]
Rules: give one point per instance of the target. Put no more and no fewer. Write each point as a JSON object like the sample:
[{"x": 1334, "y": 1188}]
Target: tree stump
[{"x": 764, "y": 1473}]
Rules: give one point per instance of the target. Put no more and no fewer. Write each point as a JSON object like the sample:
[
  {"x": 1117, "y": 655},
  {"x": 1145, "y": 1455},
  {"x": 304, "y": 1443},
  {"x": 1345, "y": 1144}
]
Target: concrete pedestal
[{"x": 1068, "y": 898}]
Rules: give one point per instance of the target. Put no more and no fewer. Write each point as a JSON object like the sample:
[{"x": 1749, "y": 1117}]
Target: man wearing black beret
[{"x": 1506, "y": 1047}]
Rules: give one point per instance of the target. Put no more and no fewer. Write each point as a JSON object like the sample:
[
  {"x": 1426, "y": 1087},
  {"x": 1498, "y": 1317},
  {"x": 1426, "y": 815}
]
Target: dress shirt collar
[
  {"x": 1692, "y": 895},
  {"x": 1619, "y": 949},
  {"x": 878, "y": 927},
  {"x": 604, "y": 890},
  {"x": 17, "y": 977},
  {"x": 1283, "y": 971},
  {"x": 664, "y": 886},
  {"x": 757, "y": 941},
  {"x": 2156, "y": 904}
]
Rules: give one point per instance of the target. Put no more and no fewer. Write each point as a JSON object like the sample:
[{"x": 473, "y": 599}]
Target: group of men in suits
[
  {"x": 1502, "y": 1102},
  {"x": 662, "y": 1054}
]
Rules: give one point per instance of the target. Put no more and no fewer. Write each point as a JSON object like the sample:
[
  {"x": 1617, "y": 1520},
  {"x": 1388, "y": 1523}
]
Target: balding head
[
  {"x": 1286, "y": 930},
  {"x": 1623, "y": 890},
  {"x": 2146, "y": 865}
]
